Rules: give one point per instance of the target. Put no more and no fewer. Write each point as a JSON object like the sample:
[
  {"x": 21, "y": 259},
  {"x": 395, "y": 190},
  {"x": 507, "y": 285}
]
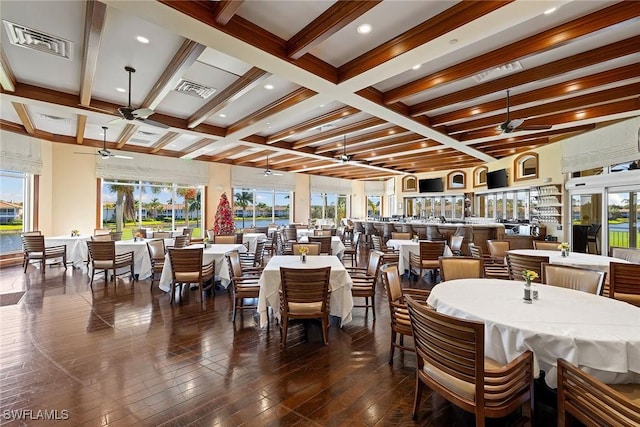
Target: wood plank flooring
[{"x": 121, "y": 355}]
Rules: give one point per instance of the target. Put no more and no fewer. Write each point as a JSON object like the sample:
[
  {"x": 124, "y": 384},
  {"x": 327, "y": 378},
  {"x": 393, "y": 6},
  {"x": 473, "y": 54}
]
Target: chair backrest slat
[
  {"x": 518, "y": 263},
  {"x": 591, "y": 281}
]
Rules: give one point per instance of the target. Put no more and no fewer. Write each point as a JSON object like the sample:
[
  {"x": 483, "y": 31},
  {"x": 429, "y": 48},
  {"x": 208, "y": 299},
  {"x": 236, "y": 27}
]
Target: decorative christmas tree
[{"x": 224, "y": 217}]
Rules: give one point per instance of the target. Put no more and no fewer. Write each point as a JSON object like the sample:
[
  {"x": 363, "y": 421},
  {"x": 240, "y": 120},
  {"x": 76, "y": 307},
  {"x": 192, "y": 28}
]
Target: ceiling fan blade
[
  {"x": 143, "y": 112},
  {"x": 117, "y": 121},
  {"x": 118, "y": 156},
  {"x": 535, "y": 127},
  {"x": 515, "y": 123},
  {"x": 152, "y": 123},
  {"x": 90, "y": 154}
]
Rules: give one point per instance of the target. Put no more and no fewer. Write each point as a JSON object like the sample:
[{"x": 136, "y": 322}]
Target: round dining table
[
  {"x": 574, "y": 259},
  {"x": 600, "y": 335}
]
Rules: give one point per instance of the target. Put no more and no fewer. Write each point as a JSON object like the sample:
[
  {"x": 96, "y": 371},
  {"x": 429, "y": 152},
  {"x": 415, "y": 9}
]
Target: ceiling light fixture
[
  {"x": 550, "y": 11},
  {"x": 222, "y": 115},
  {"x": 268, "y": 87},
  {"x": 142, "y": 39},
  {"x": 122, "y": 90},
  {"x": 416, "y": 67},
  {"x": 364, "y": 29}
]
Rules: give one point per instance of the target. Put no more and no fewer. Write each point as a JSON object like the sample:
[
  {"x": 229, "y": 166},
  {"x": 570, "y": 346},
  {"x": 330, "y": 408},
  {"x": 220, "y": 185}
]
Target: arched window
[
  {"x": 480, "y": 176},
  {"x": 526, "y": 166},
  {"x": 456, "y": 180},
  {"x": 409, "y": 183}
]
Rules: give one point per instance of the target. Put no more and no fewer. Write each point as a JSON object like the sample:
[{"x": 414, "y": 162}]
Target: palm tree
[
  {"x": 188, "y": 194},
  {"x": 153, "y": 206},
  {"x": 261, "y": 208},
  {"x": 125, "y": 204},
  {"x": 243, "y": 200},
  {"x": 195, "y": 207}
]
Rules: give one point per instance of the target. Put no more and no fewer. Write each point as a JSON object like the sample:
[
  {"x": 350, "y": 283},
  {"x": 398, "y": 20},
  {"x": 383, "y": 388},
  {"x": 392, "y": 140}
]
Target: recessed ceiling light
[
  {"x": 416, "y": 67},
  {"x": 364, "y": 29},
  {"x": 222, "y": 115},
  {"x": 268, "y": 86},
  {"x": 550, "y": 11},
  {"x": 119, "y": 89},
  {"x": 453, "y": 41},
  {"x": 142, "y": 39}
]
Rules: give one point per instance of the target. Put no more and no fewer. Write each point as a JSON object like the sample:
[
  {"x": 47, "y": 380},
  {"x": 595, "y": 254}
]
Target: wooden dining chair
[
  {"x": 398, "y": 312},
  {"x": 103, "y": 256},
  {"x": 324, "y": 241},
  {"x": 34, "y": 249},
  {"x": 455, "y": 244},
  {"x": 157, "y": 256},
  {"x": 400, "y": 236},
  {"x": 580, "y": 279},
  {"x": 304, "y": 294},
  {"x": 584, "y": 398},
  {"x": 451, "y": 362},
  {"x": 518, "y": 263},
  {"x": 491, "y": 270},
  {"x": 28, "y": 233},
  {"x": 427, "y": 258},
  {"x": 389, "y": 255},
  {"x": 627, "y": 254},
  {"x": 322, "y": 233},
  {"x": 187, "y": 267},
  {"x": 364, "y": 281},
  {"x": 624, "y": 282},
  {"x": 244, "y": 284},
  {"x": 116, "y": 236},
  {"x": 461, "y": 267},
  {"x": 545, "y": 246},
  {"x": 351, "y": 247},
  {"x": 101, "y": 231},
  {"x": 255, "y": 258},
  {"x": 224, "y": 239},
  {"x": 102, "y": 237},
  {"x": 313, "y": 248},
  {"x": 180, "y": 242},
  {"x": 498, "y": 250},
  {"x": 161, "y": 234}
]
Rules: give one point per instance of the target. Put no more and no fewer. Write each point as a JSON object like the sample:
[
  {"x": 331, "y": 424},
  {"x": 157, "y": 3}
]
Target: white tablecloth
[
  {"x": 304, "y": 232},
  {"x": 575, "y": 259},
  {"x": 141, "y": 260},
  {"x": 337, "y": 247},
  {"x": 253, "y": 239},
  {"x": 601, "y": 335},
  {"x": 173, "y": 233},
  {"x": 77, "y": 250},
  {"x": 405, "y": 247},
  {"x": 339, "y": 283},
  {"x": 213, "y": 253}
]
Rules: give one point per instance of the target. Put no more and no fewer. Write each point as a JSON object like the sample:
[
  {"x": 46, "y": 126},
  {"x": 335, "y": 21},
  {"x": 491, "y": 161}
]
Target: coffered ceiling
[{"x": 297, "y": 82}]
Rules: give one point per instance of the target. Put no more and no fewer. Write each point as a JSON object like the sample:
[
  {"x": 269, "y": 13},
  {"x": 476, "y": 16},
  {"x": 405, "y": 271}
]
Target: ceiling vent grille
[
  {"x": 22, "y": 36},
  {"x": 500, "y": 71},
  {"x": 194, "y": 89}
]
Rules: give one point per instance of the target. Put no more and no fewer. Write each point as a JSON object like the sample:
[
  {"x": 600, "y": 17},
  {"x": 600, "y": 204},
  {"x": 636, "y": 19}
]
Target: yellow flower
[
  {"x": 563, "y": 246},
  {"x": 303, "y": 249},
  {"x": 529, "y": 275},
  {"x": 75, "y": 233}
]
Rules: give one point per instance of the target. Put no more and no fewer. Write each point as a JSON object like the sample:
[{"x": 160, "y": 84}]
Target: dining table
[
  {"x": 341, "y": 300},
  {"x": 337, "y": 246},
  {"x": 213, "y": 252},
  {"x": 600, "y": 335},
  {"x": 252, "y": 239},
  {"x": 573, "y": 259},
  {"x": 141, "y": 258},
  {"x": 77, "y": 250},
  {"x": 405, "y": 247}
]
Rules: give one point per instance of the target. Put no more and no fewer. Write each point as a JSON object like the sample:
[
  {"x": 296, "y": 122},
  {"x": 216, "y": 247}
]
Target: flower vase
[
  {"x": 564, "y": 253},
  {"x": 303, "y": 257},
  {"x": 527, "y": 292}
]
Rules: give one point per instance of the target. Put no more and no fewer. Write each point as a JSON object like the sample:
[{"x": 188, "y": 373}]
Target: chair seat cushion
[
  {"x": 189, "y": 277},
  {"x": 462, "y": 388},
  {"x": 103, "y": 264},
  {"x": 430, "y": 264},
  {"x": 305, "y": 308}
]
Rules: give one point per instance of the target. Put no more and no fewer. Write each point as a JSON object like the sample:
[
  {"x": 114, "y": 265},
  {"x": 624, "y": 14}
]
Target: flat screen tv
[
  {"x": 432, "y": 185},
  {"x": 497, "y": 179}
]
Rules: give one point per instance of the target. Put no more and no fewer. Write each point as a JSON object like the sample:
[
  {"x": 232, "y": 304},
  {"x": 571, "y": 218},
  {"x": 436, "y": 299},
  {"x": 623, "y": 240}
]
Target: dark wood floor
[{"x": 122, "y": 355}]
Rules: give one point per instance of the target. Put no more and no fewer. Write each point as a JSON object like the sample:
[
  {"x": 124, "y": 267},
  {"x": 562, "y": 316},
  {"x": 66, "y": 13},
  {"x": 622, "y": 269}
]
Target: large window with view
[
  {"x": 129, "y": 205},
  {"x": 15, "y": 205},
  {"x": 260, "y": 208},
  {"x": 328, "y": 208}
]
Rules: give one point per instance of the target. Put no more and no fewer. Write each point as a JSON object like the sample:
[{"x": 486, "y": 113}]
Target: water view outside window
[
  {"x": 13, "y": 187},
  {"x": 260, "y": 208},
  {"x": 129, "y": 205}
]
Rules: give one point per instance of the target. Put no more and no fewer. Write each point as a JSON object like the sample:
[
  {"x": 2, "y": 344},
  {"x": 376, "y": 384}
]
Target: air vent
[
  {"x": 55, "y": 118},
  {"x": 323, "y": 128},
  {"x": 140, "y": 141},
  {"x": 194, "y": 89},
  {"x": 29, "y": 38},
  {"x": 500, "y": 71}
]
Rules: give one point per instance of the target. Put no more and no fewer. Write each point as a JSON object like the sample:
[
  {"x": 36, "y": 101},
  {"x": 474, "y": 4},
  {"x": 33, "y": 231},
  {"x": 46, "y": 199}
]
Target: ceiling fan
[
  {"x": 345, "y": 158},
  {"x": 105, "y": 153},
  {"x": 269, "y": 172},
  {"x": 129, "y": 114},
  {"x": 510, "y": 125}
]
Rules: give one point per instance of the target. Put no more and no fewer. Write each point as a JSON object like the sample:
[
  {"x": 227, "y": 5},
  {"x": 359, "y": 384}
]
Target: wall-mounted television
[
  {"x": 432, "y": 185},
  {"x": 497, "y": 179}
]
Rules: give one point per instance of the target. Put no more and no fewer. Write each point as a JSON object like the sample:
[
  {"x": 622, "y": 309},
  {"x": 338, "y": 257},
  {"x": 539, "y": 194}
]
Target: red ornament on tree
[{"x": 224, "y": 217}]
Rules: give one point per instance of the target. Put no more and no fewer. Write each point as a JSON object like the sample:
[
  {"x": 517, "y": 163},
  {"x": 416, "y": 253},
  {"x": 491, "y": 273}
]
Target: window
[
  {"x": 409, "y": 183},
  {"x": 526, "y": 166},
  {"x": 373, "y": 206},
  {"x": 456, "y": 180},
  {"x": 480, "y": 176},
  {"x": 15, "y": 209},
  {"x": 128, "y": 205},
  {"x": 259, "y": 208}
]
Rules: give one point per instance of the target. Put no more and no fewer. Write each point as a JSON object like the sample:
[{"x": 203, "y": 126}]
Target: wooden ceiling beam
[
  {"x": 228, "y": 153},
  {"x": 250, "y": 158},
  {"x": 393, "y": 150},
  {"x": 166, "y": 139},
  {"x": 391, "y": 144},
  {"x": 454, "y": 17},
  {"x": 225, "y": 10},
  {"x": 128, "y": 131},
  {"x": 201, "y": 143},
  {"x": 182, "y": 60},
  {"x": 529, "y": 46},
  {"x": 315, "y": 122},
  {"x": 93, "y": 30},
  {"x": 552, "y": 69},
  {"x": 362, "y": 139},
  {"x": 80, "y": 128},
  {"x": 515, "y": 137},
  {"x": 275, "y": 107},
  {"x": 340, "y": 131},
  {"x": 550, "y": 132},
  {"x": 233, "y": 92},
  {"x": 25, "y": 117},
  {"x": 332, "y": 20},
  {"x": 7, "y": 79}
]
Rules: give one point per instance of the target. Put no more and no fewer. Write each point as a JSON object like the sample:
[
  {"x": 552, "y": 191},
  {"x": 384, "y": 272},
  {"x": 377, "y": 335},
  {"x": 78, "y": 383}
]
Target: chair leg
[
  {"x": 325, "y": 329},
  {"x": 393, "y": 347},
  {"x": 373, "y": 305},
  {"x": 418, "y": 397},
  {"x": 284, "y": 328}
]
